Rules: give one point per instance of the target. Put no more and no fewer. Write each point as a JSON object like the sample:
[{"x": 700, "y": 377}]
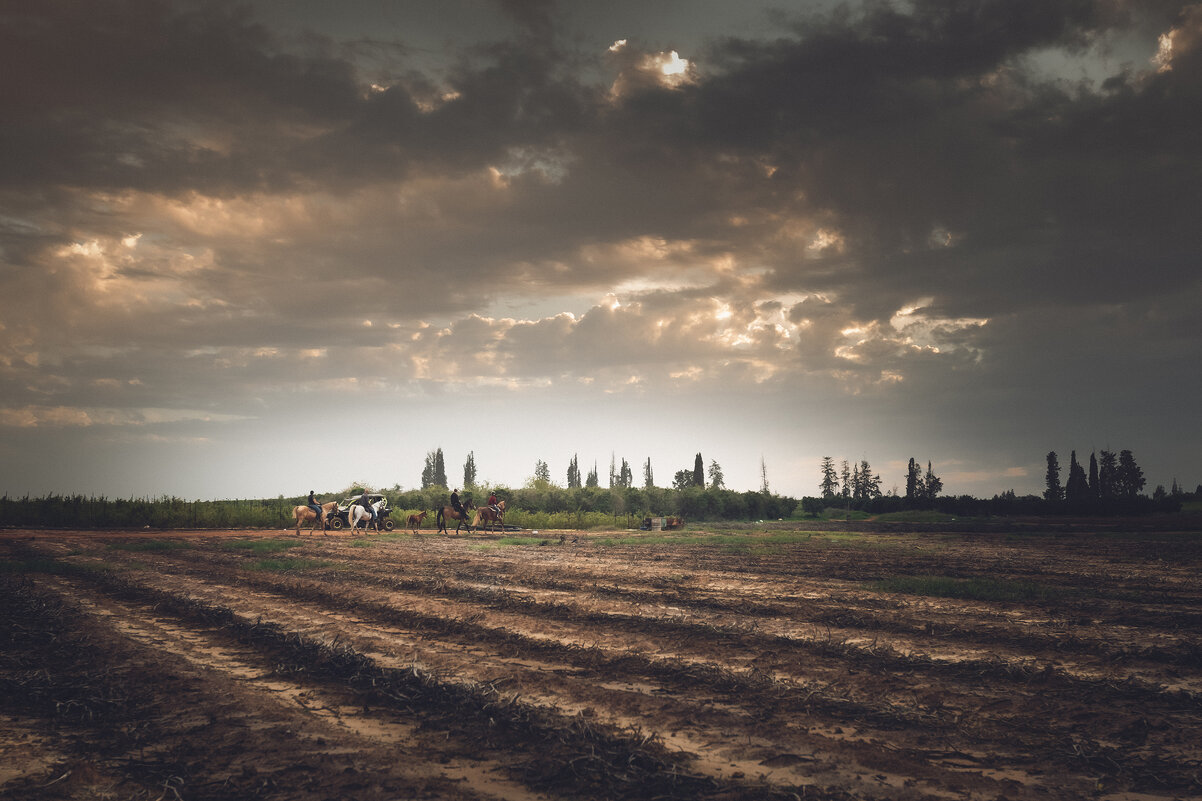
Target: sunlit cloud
[{"x": 76, "y": 417}]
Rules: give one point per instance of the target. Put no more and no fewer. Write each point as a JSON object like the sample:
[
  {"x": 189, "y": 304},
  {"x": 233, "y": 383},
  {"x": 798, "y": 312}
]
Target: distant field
[{"x": 738, "y": 662}]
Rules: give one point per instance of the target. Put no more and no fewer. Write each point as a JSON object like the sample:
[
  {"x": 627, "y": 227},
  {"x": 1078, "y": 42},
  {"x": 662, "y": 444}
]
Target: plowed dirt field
[{"x": 751, "y": 665}]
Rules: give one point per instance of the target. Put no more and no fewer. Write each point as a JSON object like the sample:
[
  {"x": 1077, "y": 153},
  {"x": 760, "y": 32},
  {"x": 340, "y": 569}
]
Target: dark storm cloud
[
  {"x": 168, "y": 97},
  {"x": 904, "y": 125},
  {"x": 903, "y": 201}
]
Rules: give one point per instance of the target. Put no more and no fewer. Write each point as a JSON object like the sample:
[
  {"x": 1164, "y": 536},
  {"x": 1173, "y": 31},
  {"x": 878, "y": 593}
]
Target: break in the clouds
[{"x": 963, "y": 232}]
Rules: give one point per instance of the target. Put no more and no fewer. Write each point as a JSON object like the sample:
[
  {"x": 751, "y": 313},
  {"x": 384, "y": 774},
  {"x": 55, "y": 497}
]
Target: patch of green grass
[
  {"x": 262, "y": 546},
  {"x": 152, "y": 546},
  {"x": 915, "y": 516},
  {"x": 362, "y": 543},
  {"x": 289, "y": 564},
  {"x": 969, "y": 589},
  {"x": 842, "y": 513}
]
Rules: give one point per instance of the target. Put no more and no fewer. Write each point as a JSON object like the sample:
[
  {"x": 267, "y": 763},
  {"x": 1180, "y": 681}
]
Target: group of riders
[
  {"x": 491, "y": 503},
  {"x": 314, "y": 503}
]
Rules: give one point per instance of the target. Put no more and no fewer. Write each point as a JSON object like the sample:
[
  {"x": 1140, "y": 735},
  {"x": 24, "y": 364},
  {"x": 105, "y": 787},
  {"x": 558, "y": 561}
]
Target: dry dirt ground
[{"x": 758, "y": 665}]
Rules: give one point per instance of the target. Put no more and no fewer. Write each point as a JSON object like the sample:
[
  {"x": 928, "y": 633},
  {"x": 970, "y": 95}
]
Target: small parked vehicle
[{"x": 339, "y": 518}]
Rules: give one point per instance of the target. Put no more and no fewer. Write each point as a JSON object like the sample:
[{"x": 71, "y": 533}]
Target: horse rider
[
  {"x": 365, "y": 502},
  {"x": 492, "y": 502},
  {"x": 455, "y": 501},
  {"x": 314, "y": 504}
]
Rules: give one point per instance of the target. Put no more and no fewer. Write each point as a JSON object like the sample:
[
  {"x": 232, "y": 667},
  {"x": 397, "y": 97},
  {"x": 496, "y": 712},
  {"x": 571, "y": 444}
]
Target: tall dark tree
[
  {"x": 1077, "y": 488},
  {"x": 440, "y": 469},
  {"x": 932, "y": 485},
  {"x": 698, "y": 472},
  {"x": 625, "y": 475},
  {"x": 542, "y": 473},
  {"x": 434, "y": 473},
  {"x": 573, "y": 473},
  {"x": 592, "y": 480},
  {"x": 913, "y": 478},
  {"x": 763, "y": 475},
  {"x": 682, "y": 480},
  {"x": 428, "y": 471},
  {"x": 829, "y": 486},
  {"x": 869, "y": 482},
  {"x": 1130, "y": 476},
  {"x": 1095, "y": 491},
  {"x": 845, "y": 479},
  {"x": 648, "y": 476},
  {"x": 1108, "y": 468},
  {"x": 469, "y": 470},
  {"x": 1053, "y": 491}
]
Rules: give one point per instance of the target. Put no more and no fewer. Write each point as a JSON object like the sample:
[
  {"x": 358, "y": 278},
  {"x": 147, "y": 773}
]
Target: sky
[{"x": 253, "y": 249}]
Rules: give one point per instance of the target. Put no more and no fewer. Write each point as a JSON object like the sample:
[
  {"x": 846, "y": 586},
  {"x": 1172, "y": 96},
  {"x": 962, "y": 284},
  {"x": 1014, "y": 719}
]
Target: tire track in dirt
[
  {"x": 1068, "y": 648},
  {"x": 166, "y": 729},
  {"x": 325, "y": 712},
  {"x": 1002, "y": 693},
  {"x": 860, "y": 718},
  {"x": 709, "y": 726},
  {"x": 960, "y": 627},
  {"x": 691, "y": 784}
]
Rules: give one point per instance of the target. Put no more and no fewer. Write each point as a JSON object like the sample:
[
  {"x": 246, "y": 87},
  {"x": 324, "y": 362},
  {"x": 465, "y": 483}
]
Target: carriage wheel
[{"x": 336, "y": 523}]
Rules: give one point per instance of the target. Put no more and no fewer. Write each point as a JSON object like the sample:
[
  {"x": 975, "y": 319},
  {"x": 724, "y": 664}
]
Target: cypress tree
[
  {"x": 1053, "y": 492},
  {"x": 1077, "y": 488},
  {"x": 1095, "y": 491},
  {"x": 912, "y": 480}
]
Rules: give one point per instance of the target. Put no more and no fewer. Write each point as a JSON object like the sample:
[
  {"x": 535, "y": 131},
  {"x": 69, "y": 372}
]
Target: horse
[
  {"x": 446, "y": 513},
  {"x": 487, "y": 515},
  {"x": 413, "y": 521},
  {"x": 300, "y": 513},
  {"x": 357, "y": 513}
]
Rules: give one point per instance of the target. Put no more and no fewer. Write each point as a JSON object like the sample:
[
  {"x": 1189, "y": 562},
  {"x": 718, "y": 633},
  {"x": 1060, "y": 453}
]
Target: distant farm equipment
[{"x": 662, "y": 523}]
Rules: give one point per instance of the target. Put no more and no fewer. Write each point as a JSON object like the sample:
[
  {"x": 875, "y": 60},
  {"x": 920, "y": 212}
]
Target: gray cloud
[{"x": 905, "y": 207}]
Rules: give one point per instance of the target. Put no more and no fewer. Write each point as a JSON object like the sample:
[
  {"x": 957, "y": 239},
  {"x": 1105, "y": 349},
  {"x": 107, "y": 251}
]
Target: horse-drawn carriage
[{"x": 340, "y": 517}]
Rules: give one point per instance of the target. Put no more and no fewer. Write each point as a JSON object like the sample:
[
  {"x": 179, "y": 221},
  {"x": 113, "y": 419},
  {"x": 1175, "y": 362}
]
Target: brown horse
[
  {"x": 413, "y": 521},
  {"x": 446, "y": 513},
  {"x": 486, "y": 515},
  {"x": 300, "y": 513}
]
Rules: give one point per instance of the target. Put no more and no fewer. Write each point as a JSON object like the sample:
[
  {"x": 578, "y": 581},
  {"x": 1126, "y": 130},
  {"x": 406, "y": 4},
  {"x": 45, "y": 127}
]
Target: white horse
[{"x": 358, "y": 513}]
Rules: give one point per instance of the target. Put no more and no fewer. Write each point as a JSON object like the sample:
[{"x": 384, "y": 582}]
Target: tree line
[
  {"x": 621, "y": 474},
  {"x": 1110, "y": 484},
  {"x": 1113, "y": 485}
]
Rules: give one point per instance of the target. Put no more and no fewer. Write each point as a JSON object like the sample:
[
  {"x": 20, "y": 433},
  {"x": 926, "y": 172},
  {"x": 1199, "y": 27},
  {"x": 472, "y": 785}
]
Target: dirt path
[{"x": 257, "y": 666}]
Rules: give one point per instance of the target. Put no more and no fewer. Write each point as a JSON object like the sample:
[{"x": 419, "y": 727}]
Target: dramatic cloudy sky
[{"x": 250, "y": 249}]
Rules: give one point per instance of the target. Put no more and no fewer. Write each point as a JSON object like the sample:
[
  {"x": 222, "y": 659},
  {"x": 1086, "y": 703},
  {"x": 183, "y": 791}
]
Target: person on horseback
[
  {"x": 455, "y": 501},
  {"x": 314, "y": 504},
  {"x": 365, "y": 502},
  {"x": 492, "y": 502}
]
